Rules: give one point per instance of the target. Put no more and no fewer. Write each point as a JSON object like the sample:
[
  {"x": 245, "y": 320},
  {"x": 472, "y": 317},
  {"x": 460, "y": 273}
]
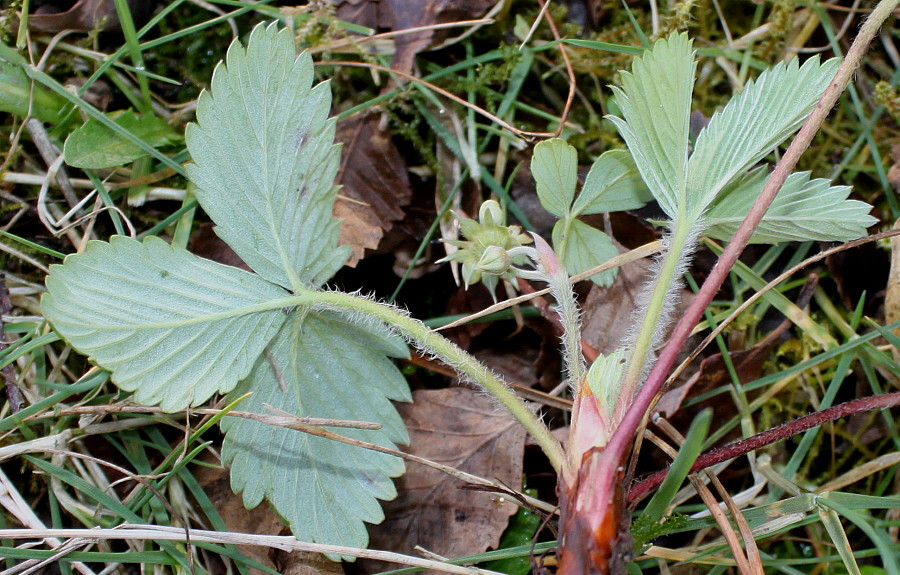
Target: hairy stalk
[
  {"x": 624, "y": 434},
  {"x": 680, "y": 244},
  {"x": 566, "y": 308},
  {"x": 429, "y": 341}
]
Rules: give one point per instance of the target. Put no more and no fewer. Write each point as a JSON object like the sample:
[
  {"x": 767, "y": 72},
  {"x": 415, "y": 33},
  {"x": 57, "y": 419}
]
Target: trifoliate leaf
[
  {"x": 321, "y": 366},
  {"x": 554, "y": 166},
  {"x": 753, "y": 123},
  {"x": 612, "y": 185},
  {"x": 804, "y": 209},
  {"x": 172, "y": 327},
  {"x": 582, "y": 247},
  {"x": 655, "y": 100},
  {"x": 93, "y": 145},
  {"x": 265, "y": 162}
]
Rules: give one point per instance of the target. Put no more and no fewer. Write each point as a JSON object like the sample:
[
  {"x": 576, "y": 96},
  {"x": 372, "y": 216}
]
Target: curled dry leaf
[
  {"x": 464, "y": 429},
  {"x": 375, "y": 184}
]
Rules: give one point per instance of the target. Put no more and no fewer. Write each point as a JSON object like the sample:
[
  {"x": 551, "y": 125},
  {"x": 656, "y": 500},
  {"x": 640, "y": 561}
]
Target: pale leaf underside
[
  {"x": 172, "y": 327},
  {"x": 655, "y": 99},
  {"x": 804, "y": 209},
  {"x": 753, "y": 123},
  {"x": 176, "y": 329},
  {"x": 323, "y": 367},
  {"x": 265, "y": 163}
]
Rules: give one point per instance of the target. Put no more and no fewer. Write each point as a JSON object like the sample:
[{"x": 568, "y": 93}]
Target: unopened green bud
[{"x": 494, "y": 261}]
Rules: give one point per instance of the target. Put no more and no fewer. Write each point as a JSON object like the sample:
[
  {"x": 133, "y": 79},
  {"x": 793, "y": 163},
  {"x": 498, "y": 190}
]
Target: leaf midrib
[{"x": 246, "y": 310}]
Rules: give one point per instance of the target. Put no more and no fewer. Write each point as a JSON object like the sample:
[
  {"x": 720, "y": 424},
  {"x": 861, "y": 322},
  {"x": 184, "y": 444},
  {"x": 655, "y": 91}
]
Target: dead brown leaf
[
  {"x": 401, "y": 14},
  {"x": 84, "y": 15},
  {"x": 608, "y": 312},
  {"x": 375, "y": 184},
  {"x": 464, "y": 429}
]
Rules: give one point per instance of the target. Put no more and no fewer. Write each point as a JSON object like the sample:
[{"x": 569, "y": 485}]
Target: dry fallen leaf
[
  {"x": 261, "y": 520},
  {"x": 609, "y": 312},
  {"x": 402, "y": 14},
  {"x": 85, "y": 15},
  {"x": 375, "y": 184},
  {"x": 466, "y": 430}
]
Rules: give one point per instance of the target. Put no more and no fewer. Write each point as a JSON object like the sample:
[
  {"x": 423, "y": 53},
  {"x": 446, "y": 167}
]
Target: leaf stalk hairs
[{"x": 431, "y": 342}]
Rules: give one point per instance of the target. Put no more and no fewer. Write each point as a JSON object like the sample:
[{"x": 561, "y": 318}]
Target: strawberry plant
[{"x": 176, "y": 329}]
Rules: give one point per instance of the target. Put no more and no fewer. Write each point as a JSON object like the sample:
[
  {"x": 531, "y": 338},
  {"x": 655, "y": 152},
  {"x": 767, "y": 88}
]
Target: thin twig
[
  {"x": 441, "y": 91},
  {"x": 783, "y": 431},
  {"x": 570, "y": 72},
  {"x": 129, "y": 532}
]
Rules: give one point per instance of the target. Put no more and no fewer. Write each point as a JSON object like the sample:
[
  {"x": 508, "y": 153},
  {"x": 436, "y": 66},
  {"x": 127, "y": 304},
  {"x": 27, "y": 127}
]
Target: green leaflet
[
  {"x": 554, "y": 166},
  {"x": 583, "y": 247},
  {"x": 172, "y": 327},
  {"x": 655, "y": 100},
  {"x": 713, "y": 187},
  {"x": 323, "y": 489},
  {"x": 175, "y": 328},
  {"x": 93, "y": 145},
  {"x": 804, "y": 209},
  {"x": 753, "y": 123},
  {"x": 612, "y": 185},
  {"x": 265, "y": 161}
]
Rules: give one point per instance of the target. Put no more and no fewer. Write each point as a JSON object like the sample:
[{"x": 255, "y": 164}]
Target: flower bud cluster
[{"x": 490, "y": 249}]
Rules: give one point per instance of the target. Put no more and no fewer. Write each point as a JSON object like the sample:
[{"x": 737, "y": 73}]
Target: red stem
[
  {"x": 783, "y": 431},
  {"x": 623, "y": 436}
]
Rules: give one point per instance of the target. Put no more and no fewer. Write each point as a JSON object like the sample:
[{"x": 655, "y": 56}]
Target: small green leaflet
[
  {"x": 582, "y": 247},
  {"x": 93, "y": 145},
  {"x": 554, "y": 166},
  {"x": 176, "y": 329},
  {"x": 613, "y": 184},
  {"x": 655, "y": 99}
]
